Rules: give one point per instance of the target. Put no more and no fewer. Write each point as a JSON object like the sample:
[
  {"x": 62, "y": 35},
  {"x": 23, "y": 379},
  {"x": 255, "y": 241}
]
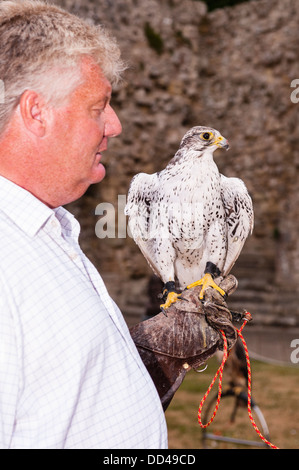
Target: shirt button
[
  {"x": 73, "y": 256},
  {"x": 54, "y": 223}
]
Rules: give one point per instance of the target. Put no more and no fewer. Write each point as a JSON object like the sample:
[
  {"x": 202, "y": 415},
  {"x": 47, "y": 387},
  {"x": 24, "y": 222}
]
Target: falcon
[{"x": 189, "y": 221}]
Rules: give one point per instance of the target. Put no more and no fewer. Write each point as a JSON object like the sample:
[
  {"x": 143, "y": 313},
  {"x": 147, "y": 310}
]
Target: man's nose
[{"x": 112, "y": 126}]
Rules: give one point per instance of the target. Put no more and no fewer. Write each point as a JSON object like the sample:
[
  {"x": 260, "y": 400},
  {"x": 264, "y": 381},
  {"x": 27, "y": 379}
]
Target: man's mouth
[
  {"x": 99, "y": 152},
  {"x": 98, "y": 158},
  {"x": 102, "y": 149}
]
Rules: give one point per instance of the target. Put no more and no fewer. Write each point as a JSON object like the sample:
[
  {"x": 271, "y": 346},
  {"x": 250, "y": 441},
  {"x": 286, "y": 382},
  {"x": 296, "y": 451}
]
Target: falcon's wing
[
  {"x": 239, "y": 217},
  {"x": 148, "y": 223}
]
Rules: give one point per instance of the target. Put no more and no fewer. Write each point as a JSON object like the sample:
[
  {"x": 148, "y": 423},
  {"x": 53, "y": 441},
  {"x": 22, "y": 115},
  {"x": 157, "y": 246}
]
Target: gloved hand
[{"x": 189, "y": 335}]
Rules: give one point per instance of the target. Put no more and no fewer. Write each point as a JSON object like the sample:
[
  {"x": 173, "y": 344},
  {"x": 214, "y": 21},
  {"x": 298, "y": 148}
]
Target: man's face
[{"x": 79, "y": 132}]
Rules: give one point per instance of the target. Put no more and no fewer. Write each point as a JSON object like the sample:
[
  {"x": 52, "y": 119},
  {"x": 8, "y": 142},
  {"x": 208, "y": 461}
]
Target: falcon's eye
[{"x": 207, "y": 135}]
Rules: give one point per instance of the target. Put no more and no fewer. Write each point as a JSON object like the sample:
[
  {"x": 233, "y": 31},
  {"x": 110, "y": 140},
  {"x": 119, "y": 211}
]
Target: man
[{"x": 70, "y": 375}]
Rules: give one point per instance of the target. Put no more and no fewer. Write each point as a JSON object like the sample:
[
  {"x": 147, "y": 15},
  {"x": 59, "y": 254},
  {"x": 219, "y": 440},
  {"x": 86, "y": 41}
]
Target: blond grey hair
[{"x": 41, "y": 47}]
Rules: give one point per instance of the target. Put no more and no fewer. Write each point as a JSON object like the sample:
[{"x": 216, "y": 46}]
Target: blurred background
[{"x": 229, "y": 65}]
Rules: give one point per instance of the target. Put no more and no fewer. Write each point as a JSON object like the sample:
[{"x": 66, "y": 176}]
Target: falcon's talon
[
  {"x": 205, "y": 282},
  {"x": 163, "y": 311},
  {"x": 172, "y": 297}
]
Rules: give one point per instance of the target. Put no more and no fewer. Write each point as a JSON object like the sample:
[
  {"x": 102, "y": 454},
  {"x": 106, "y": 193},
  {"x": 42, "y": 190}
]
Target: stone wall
[{"x": 230, "y": 69}]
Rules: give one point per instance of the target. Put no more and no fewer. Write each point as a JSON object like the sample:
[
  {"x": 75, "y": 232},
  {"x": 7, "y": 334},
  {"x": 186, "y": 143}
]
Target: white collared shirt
[{"x": 70, "y": 375}]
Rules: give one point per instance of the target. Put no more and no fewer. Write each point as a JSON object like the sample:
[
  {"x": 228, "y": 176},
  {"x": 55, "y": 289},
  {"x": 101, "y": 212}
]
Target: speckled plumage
[{"x": 189, "y": 214}]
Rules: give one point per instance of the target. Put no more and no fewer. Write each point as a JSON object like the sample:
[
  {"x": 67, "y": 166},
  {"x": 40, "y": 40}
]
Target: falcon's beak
[{"x": 221, "y": 142}]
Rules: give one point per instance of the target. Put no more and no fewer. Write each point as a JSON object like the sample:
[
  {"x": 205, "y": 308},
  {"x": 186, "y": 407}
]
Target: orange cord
[{"x": 220, "y": 373}]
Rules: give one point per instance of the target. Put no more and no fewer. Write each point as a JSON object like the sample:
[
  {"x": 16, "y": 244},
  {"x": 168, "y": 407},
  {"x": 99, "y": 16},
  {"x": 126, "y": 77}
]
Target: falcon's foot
[
  {"x": 205, "y": 282},
  {"x": 172, "y": 297},
  {"x": 169, "y": 295}
]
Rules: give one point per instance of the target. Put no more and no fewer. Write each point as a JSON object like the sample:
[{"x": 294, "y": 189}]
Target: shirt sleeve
[{"x": 9, "y": 368}]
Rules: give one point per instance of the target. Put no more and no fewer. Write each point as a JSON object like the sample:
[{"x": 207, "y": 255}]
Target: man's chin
[{"x": 98, "y": 174}]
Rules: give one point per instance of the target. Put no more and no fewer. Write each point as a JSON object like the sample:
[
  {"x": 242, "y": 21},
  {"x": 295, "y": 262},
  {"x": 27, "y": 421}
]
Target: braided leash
[{"x": 220, "y": 374}]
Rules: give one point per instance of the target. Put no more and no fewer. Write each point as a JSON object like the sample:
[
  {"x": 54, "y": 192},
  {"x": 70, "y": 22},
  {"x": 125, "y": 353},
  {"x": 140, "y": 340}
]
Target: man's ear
[{"x": 33, "y": 112}]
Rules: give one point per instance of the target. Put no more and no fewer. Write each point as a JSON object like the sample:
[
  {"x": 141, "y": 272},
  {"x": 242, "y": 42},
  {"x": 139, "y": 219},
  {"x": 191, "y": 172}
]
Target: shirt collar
[
  {"x": 69, "y": 224},
  {"x": 28, "y": 212}
]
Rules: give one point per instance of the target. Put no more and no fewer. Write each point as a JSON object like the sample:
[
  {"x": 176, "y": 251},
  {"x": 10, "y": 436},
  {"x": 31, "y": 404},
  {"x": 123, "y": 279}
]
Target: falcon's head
[{"x": 200, "y": 138}]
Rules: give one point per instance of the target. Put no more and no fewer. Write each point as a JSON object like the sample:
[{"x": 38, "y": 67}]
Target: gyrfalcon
[{"x": 189, "y": 221}]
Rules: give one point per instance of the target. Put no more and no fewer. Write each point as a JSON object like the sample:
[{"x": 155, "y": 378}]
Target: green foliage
[
  {"x": 214, "y": 4},
  {"x": 154, "y": 39}
]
